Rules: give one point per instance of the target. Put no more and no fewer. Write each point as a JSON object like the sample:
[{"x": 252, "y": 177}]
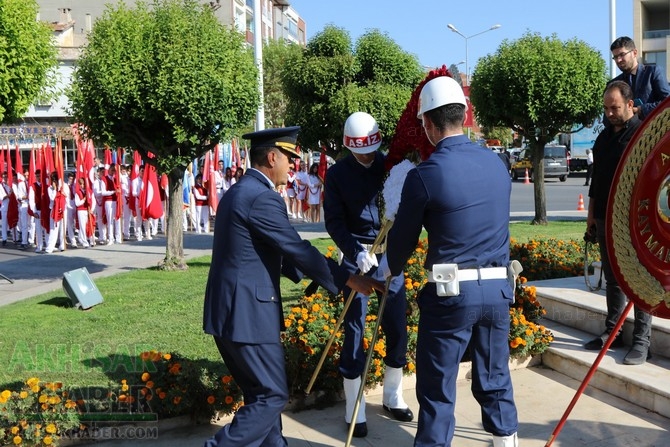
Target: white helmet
[
  {"x": 361, "y": 133},
  {"x": 438, "y": 92}
]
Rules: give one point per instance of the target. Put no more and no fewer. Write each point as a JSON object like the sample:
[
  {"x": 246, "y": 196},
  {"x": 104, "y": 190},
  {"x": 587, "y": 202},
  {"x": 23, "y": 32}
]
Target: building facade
[{"x": 651, "y": 32}]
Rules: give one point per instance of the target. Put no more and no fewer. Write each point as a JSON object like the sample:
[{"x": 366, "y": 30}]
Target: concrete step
[
  {"x": 569, "y": 302},
  {"x": 644, "y": 385},
  {"x": 575, "y": 315}
]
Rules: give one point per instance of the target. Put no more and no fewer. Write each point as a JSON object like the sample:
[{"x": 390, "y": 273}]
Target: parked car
[{"x": 555, "y": 163}]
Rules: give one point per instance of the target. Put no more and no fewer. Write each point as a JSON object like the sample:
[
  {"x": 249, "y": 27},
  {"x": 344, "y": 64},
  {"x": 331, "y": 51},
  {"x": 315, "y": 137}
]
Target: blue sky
[{"x": 420, "y": 26}]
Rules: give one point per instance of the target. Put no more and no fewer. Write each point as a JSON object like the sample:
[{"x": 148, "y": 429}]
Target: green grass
[{"x": 144, "y": 309}]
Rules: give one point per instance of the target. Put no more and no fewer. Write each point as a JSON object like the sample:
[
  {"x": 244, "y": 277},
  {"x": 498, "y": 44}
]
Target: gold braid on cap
[{"x": 285, "y": 145}]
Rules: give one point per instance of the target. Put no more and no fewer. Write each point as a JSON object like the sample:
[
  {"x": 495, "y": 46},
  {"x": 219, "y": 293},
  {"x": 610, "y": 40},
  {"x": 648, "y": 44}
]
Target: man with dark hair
[
  {"x": 648, "y": 82},
  {"x": 461, "y": 196},
  {"x": 607, "y": 151},
  {"x": 254, "y": 244}
]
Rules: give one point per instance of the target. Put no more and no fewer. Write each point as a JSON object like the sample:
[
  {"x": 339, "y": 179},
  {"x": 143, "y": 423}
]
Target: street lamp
[{"x": 467, "y": 67}]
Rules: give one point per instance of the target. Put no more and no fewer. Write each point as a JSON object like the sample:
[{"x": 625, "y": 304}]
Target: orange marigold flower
[
  {"x": 146, "y": 376},
  {"x": 229, "y": 400},
  {"x": 176, "y": 400},
  {"x": 227, "y": 379},
  {"x": 167, "y": 356},
  {"x": 150, "y": 384},
  {"x": 211, "y": 400}
]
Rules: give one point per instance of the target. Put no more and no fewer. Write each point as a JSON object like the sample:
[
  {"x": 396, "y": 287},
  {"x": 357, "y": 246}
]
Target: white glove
[
  {"x": 384, "y": 267},
  {"x": 365, "y": 261}
]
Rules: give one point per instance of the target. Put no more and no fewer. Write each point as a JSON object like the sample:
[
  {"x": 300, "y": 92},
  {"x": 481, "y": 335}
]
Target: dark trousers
[
  {"x": 589, "y": 169},
  {"x": 616, "y": 299},
  {"x": 260, "y": 372},
  {"x": 394, "y": 324},
  {"x": 480, "y": 314}
]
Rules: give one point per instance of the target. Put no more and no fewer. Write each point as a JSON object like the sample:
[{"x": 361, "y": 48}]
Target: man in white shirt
[
  {"x": 5, "y": 191},
  {"x": 21, "y": 192}
]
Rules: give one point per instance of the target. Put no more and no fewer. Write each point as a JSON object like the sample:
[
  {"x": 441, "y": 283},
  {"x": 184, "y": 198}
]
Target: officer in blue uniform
[
  {"x": 461, "y": 196},
  {"x": 253, "y": 244},
  {"x": 353, "y": 222}
]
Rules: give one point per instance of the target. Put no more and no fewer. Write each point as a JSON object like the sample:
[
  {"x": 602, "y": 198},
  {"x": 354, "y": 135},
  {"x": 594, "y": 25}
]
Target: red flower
[{"x": 409, "y": 134}]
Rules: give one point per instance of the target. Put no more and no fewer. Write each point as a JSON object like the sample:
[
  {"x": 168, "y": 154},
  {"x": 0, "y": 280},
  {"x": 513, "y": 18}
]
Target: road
[{"x": 561, "y": 196}]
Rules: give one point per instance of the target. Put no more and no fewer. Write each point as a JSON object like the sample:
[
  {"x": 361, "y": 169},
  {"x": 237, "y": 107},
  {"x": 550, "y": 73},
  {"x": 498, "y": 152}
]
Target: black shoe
[
  {"x": 360, "y": 430},
  {"x": 597, "y": 343},
  {"x": 586, "y": 184},
  {"x": 637, "y": 355},
  {"x": 400, "y": 414},
  {"x": 4, "y": 243}
]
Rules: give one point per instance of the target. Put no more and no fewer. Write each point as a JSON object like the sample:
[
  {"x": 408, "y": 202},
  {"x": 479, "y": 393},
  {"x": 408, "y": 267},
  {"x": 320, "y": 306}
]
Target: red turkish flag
[
  {"x": 13, "y": 206},
  {"x": 18, "y": 164},
  {"x": 469, "y": 116},
  {"x": 150, "y": 199}
]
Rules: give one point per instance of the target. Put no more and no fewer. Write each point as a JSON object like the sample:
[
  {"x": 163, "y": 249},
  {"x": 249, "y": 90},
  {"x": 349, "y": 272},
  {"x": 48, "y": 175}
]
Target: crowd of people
[{"x": 75, "y": 210}]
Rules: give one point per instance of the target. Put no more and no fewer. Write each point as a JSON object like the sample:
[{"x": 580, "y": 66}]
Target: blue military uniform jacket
[
  {"x": 448, "y": 194},
  {"x": 254, "y": 243},
  {"x": 350, "y": 203}
]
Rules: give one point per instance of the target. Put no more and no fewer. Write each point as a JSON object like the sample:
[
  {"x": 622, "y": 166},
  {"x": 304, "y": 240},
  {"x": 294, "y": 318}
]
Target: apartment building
[
  {"x": 71, "y": 20},
  {"x": 651, "y": 32}
]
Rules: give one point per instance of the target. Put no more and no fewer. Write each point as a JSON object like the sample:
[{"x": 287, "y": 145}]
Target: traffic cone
[
  {"x": 526, "y": 181},
  {"x": 580, "y": 204}
]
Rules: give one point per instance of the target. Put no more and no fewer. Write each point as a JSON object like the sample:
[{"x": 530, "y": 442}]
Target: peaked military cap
[{"x": 283, "y": 138}]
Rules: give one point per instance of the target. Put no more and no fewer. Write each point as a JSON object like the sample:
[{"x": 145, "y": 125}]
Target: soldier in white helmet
[
  {"x": 353, "y": 221},
  {"x": 461, "y": 196}
]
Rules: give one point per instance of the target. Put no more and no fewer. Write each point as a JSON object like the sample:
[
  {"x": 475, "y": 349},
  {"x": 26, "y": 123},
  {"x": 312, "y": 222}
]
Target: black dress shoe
[
  {"x": 400, "y": 414},
  {"x": 597, "y": 343},
  {"x": 360, "y": 430}
]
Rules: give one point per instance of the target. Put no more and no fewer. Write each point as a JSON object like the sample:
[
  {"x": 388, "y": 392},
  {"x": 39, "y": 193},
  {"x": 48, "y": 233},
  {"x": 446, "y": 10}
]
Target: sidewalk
[
  {"x": 34, "y": 274},
  {"x": 542, "y": 395}
]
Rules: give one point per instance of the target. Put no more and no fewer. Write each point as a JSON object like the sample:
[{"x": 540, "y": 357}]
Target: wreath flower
[{"x": 410, "y": 138}]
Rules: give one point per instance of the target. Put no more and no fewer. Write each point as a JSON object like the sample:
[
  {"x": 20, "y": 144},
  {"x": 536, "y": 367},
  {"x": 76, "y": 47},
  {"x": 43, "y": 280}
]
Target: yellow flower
[
  {"x": 17, "y": 440},
  {"x": 167, "y": 356},
  {"x": 6, "y": 394},
  {"x": 43, "y": 398},
  {"x": 15, "y": 430},
  {"x": 32, "y": 382},
  {"x": 51, "y": 428},
  {"x": 48, "y": 440}
]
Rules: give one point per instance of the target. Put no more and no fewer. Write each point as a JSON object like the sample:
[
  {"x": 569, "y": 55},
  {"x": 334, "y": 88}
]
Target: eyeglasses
[{"x": 620, "y": 55}]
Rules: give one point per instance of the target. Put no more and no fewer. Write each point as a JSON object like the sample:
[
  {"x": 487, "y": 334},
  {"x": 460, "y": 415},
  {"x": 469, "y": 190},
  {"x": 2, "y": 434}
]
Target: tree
[
  {"x": 166, "y": 79},
  {"x": 28, "y": 58},
  {"x": 331, "y": 79},
  {"x": 503, "y": 134},
  {"x": 277, "y": 55},
  {"x": 539, "y": 87}
]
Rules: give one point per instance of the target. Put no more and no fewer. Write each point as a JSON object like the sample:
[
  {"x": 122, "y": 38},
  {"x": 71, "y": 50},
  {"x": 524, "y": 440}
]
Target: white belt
[{"x": 475, "y": 274}]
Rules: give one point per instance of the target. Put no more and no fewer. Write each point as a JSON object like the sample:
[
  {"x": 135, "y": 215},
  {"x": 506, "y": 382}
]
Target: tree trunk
[
  {"x": 538, "y": 184},
  {"x": 174, "y": 250}
]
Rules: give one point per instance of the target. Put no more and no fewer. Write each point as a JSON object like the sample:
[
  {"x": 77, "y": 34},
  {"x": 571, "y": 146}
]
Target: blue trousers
[
  {"x": 259, "y": 370},
  {"x": 394, "y": 324},
  {"x": 446, "y": 326}
]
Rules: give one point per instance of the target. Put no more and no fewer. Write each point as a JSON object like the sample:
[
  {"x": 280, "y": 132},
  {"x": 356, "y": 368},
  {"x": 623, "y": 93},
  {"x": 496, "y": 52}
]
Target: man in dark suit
[
  {"x": 254, "y": 244},
  {"x": 461, "y": 196},
  {"x": 648, "y": 82}
]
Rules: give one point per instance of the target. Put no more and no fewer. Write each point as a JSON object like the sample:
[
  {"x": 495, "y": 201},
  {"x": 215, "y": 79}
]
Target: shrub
[{"x": 39, "y": 413}]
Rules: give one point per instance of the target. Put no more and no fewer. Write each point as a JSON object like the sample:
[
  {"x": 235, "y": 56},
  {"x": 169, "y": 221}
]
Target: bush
[
  {"x": 39, "y": 413},
  {"x": 551, "y": 258}
]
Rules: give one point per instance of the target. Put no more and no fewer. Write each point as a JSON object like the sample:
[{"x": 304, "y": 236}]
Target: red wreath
[{"x": 409, "y": 134}]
